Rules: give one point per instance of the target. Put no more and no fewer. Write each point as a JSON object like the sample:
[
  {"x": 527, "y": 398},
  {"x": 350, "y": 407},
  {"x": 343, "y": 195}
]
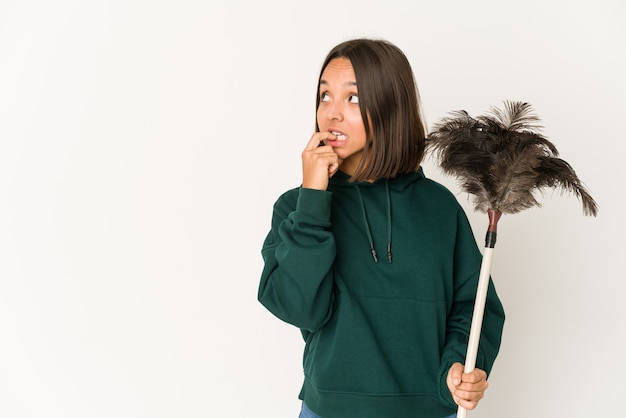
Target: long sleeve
[
  {"x": 467, "y": 262},
  {"x": 298, "y": 252}
]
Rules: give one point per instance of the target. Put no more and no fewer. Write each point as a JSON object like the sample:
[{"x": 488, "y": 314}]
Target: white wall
[{"x": 142, "y": 144}]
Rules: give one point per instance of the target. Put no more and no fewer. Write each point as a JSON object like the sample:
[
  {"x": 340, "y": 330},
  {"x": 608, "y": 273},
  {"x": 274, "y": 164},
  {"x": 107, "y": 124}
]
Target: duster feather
[{"x": 503, "y": 160}]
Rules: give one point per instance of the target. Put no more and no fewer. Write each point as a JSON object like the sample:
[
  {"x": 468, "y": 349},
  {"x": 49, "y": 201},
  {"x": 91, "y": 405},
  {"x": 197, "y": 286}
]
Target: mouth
[{"x": 340, "y": 136}]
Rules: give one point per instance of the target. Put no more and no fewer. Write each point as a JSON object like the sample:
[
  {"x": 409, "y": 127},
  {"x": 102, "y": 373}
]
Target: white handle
[{"x": 477, "y": 317}]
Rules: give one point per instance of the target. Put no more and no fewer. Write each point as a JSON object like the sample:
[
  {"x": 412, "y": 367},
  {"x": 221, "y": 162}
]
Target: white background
[{"x": 143, "y": 143}]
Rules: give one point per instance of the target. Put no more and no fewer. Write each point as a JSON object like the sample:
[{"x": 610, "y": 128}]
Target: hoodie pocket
[{"x": 378, "y": 346}]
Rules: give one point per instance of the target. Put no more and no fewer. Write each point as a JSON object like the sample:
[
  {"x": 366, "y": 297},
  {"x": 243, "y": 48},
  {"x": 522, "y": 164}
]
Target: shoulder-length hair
[{"x": 390, "y": 108}]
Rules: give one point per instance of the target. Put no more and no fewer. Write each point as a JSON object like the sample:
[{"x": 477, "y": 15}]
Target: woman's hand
[
  {"x": 319, "y": 162},
  {"x": 466, "y": 388}
]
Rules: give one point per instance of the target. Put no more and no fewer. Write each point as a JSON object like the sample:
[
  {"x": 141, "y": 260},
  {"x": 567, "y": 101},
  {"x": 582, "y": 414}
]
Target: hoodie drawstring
[
  {"x": 389, "y": 255},
  {"x": 367, "y": 225}
]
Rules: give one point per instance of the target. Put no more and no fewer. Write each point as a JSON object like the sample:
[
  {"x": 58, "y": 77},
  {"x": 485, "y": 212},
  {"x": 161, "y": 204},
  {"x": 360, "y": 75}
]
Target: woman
[{"x": 373, "y": 262}]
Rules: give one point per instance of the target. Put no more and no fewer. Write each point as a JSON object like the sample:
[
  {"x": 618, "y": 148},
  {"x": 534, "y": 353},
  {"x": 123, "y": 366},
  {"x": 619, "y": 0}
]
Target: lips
[{"x": 340, "y": 136}]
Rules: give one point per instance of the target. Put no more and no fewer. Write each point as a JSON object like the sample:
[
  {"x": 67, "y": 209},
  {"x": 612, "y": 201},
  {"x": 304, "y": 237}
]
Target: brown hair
[{"x": 390, "y": 107}]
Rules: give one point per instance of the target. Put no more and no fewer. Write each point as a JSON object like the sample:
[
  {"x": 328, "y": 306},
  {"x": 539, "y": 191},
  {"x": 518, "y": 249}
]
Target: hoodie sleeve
[
  {"x": 467, "y": 263},
  {"x": 298, "y": 253}
]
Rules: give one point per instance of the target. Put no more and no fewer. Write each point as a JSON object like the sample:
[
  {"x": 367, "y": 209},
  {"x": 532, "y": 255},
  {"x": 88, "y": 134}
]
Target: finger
[
  {"x": 467, "y": 400},
  {"x": 479, "y": 386},
  {"x": 473, "y": 394},
  {"x": 456, "y": 373},
  {"x": 317, "y": 138},
  {"x": 322, "y": 156},
  {"x": 469, "y": 405},
  {"x": 475, "y": 376},
  {"x": 334, "y": 167}
]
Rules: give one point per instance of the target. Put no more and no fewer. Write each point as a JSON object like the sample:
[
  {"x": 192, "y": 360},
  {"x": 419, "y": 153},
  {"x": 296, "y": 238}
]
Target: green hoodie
[{"x": 381, "y": 279}]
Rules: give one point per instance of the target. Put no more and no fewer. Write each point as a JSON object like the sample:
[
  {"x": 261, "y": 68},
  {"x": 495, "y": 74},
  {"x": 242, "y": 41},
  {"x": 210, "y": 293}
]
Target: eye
[
  {"x": 324, "y": 97},
  {"x": 354, "y": 99}
]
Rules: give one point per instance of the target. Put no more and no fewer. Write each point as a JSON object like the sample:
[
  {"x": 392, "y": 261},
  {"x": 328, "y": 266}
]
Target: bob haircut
[{"x": 390, "y": 108}]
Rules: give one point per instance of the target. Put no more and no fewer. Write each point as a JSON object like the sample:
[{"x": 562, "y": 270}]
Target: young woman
[{"x": 373, "y": 262}]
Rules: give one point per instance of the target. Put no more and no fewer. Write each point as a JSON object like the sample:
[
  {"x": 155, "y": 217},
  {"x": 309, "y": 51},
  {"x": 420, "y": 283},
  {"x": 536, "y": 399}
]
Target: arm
[
  {"x": 297, "y": 281},
  {"x": 298, "y": 252},
  {"x": 468, "y": 388}
]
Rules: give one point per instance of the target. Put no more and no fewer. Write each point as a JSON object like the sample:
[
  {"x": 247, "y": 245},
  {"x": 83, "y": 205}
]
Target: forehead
[{"x": 338, "y": 70}]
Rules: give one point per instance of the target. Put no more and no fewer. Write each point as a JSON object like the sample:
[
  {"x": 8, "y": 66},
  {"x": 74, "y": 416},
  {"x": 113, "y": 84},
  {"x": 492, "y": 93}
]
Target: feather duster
[{"x": 502, "y": 159}]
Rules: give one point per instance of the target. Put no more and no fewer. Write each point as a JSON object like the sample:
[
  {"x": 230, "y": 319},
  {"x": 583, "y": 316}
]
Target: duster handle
[{"x": 481, "y": 297}]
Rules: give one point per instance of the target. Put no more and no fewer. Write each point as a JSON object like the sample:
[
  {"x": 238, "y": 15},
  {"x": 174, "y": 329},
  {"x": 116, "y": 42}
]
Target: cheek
[{"x": 357, "y": 124}]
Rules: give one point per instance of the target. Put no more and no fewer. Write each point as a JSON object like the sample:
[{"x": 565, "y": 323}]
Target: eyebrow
[{"x": 349, "y": 83}]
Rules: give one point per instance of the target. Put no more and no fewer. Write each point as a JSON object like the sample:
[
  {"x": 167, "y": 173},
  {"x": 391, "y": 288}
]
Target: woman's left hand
[{"x": 466, "y": 388}]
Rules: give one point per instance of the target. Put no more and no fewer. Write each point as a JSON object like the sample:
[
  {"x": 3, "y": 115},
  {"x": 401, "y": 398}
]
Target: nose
[{"x": 335, "y": 111}]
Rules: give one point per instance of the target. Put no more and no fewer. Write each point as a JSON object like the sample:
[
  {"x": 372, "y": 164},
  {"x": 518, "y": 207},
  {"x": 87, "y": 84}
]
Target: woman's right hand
[{"x": 319, "y": 162}]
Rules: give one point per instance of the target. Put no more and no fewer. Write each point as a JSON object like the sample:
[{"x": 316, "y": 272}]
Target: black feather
[{"x": 502, "y": 159}]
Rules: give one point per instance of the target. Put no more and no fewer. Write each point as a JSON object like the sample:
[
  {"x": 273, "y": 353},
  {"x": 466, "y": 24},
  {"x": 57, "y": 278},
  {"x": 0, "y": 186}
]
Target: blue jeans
[{"x": 307, "y": 413}]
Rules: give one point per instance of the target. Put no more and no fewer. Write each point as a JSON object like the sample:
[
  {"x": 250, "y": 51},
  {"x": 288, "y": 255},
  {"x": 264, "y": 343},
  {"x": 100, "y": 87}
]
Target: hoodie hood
[{"x": 399, "y": 183}]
